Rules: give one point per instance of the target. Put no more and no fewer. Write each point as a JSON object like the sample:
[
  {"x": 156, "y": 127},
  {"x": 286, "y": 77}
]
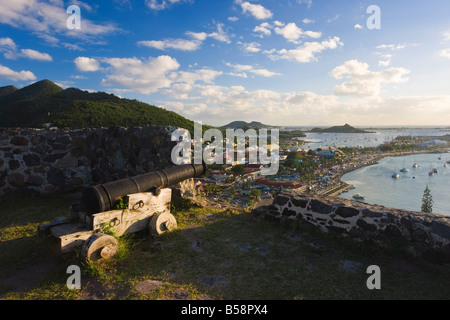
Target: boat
[
  {"x": 358, "y": 196},
  {"x": 431, "y": 173},
  {"x": 415, "y": 165},
  {"x": 395, "y": 175},
  {"x": 404, "y": 169},
  {"x": 435, "y": 170}
]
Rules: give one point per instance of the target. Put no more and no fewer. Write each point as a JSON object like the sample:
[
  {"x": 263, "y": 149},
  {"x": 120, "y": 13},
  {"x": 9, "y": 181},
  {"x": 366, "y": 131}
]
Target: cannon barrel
[{"x": 104, "y": 197}]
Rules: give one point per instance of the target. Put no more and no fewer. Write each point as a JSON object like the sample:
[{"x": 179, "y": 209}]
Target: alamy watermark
[
  {"x": 374, "y": 21},
  {"x": 74, "y": 280},
  {"x": 374, "y": 281},
  {"x": 209, "y": 147},
  {"x": 74, "y": 21}
]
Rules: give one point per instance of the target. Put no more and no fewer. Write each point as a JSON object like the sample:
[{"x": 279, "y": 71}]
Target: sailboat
[{"x": 404, "y": 169}]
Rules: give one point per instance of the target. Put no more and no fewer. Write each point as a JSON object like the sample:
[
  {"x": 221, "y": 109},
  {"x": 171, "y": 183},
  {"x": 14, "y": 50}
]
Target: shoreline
[{"x": 344, "y": 187}]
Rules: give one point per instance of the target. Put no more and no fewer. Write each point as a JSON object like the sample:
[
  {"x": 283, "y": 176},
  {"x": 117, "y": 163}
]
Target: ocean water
[
  {"x": 376, "y": 138},
  {"x": 377, "y": 185}
]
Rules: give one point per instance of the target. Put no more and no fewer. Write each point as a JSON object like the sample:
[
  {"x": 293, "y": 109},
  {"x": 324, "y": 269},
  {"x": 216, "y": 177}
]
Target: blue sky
[{"x": 281, "y": 62}]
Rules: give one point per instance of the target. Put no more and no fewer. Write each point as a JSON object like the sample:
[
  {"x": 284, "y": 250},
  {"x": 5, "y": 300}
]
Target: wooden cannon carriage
[{"x": 119, "y": 207}]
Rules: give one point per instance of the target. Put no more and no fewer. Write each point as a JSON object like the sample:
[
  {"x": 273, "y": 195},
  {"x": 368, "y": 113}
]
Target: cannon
[{"x": 116, "y": 208}]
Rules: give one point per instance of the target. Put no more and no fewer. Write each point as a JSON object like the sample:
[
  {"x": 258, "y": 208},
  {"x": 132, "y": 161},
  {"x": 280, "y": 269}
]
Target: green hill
[
  {"x": 44, "y": 102},
  {"x": 7, "y": 90},
  {"x": 340, "y": 129},
  {"x": 246, "y": 125}
]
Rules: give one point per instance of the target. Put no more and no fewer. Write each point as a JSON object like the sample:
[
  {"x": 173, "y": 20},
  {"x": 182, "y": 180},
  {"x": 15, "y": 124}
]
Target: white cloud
[
  {"x": 8, "y": 74},
  {"x": 203, "y": 75},
  {"x": 307, "y": 52},
  {"x": 358, "y": 26},
  {"x": 445, "y": 53},
  {"x": 144, "y": 76},
  {"x": 162, "y": 4},
  {"x": 307, "y": 2},
  {"x": 177, "y": 44},
  {"x": 35, "y": 55},
  {"x": 11, "y": 51},
  {"x": 363, "y": 82},
  {"x": 290, "y": 31},
  {"x": 252, "y": 47},
  {"x": 391, "y": 46},
  {"x": 188, "y": 45},
  {"x": 334, "y": 18},
  {"x": 233, "y": 19},
  {"x": 384, "y": 63},
  {"x": 256, "y": 10},
  {"x": 307, "y": 21},
  {"x": 263, "y": 29},
  {"x": 86, "y": 64},
  {"x": 241, "y": 70},
  {"x": 48, "y": 19}
]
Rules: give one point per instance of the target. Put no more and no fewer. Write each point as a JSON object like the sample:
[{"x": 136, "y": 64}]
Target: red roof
[{"x": 274, "y": 184}]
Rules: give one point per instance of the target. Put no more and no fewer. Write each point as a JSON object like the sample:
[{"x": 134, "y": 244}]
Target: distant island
[
  {"x": 44, "y": 103},
  {"x": 340, "y": 129},
  {"x": 247, "y": 125}
]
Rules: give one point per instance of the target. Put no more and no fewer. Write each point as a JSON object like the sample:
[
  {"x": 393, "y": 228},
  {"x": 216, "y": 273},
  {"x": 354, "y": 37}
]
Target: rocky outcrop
[
  {"x": 51, "y": 160},
  {"x": 425, "y": 235}
]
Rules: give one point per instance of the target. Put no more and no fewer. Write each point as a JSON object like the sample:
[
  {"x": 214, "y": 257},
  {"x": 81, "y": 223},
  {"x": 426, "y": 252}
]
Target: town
[{"x": 301, "y": 170}]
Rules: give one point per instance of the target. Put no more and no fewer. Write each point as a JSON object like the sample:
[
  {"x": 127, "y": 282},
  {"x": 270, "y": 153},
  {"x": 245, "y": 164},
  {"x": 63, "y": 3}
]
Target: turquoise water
[{"x": 377, "y": 185}]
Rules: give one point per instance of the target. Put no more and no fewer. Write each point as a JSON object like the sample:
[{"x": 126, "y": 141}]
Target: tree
[
  {"x": 427, "y": 201},
  {"x": 256, "y": 193}
]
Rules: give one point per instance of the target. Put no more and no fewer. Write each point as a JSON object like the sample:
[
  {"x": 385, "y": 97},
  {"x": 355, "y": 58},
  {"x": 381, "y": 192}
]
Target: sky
[{"x": 280, "y": 62}]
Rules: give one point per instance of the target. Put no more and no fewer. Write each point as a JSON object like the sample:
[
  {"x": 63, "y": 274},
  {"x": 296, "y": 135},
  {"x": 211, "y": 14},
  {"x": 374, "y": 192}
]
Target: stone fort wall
[
  {"x": 424, "y": 235},
  {"x": 46, "y": 161}
]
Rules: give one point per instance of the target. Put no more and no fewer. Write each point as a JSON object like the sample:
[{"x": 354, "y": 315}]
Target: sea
[{"x": 375, "y": 182}]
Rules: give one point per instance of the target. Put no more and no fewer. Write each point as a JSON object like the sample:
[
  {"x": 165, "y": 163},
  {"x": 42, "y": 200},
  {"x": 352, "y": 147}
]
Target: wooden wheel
[
  {"x": 99, "y": 246},
  {"x": 162, "y": 222}
]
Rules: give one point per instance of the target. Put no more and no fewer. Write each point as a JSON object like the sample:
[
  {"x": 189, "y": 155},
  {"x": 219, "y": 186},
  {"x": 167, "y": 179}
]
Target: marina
[{"x": 406, "y": 190}]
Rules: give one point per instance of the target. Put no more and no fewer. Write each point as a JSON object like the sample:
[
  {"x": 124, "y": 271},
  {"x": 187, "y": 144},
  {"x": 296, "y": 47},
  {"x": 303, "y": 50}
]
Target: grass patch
[{"x": 224, "y": 254}]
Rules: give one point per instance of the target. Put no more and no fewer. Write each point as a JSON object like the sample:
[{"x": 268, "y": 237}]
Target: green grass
[{"x": 214, "y": 254}]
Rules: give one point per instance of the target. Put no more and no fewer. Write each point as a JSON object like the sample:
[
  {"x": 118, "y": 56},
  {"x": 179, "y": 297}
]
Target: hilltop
[
  {"x": 44, "y": 102},
  {"x": 340, "y": 129},
  {"x": 246, "y": 125}
]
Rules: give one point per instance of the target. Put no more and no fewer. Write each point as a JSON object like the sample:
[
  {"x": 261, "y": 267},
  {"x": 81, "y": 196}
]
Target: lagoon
[{"x": 375, "y": 182}]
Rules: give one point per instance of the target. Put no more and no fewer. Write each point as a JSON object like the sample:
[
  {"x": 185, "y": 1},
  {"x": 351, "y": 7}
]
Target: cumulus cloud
[
  {"x": 306, "y": 52},
  {"x": 252, "y": 47},
  {"x": 145, "y": 76},
  {"x": 363, "y": 82},
  {"x": 292, "y": 32},
  {"x": 358, "y": 26},
  {"x": 8, "y": 74},
  {"x": 263, "y": 29},
  {"x": 11, "y": 51},
  {"x": 86, "y": 64},
  {"x": 256, "y": 10}
]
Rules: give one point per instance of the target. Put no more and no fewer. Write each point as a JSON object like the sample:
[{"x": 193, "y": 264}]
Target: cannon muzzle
[{"x": 104, "y": 197}]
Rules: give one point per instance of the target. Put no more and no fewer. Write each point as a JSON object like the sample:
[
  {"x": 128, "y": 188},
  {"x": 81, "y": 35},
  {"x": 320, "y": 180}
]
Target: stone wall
[
  {"x": 46, "y": 161},
  {"x": 425, "y": 235}
]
